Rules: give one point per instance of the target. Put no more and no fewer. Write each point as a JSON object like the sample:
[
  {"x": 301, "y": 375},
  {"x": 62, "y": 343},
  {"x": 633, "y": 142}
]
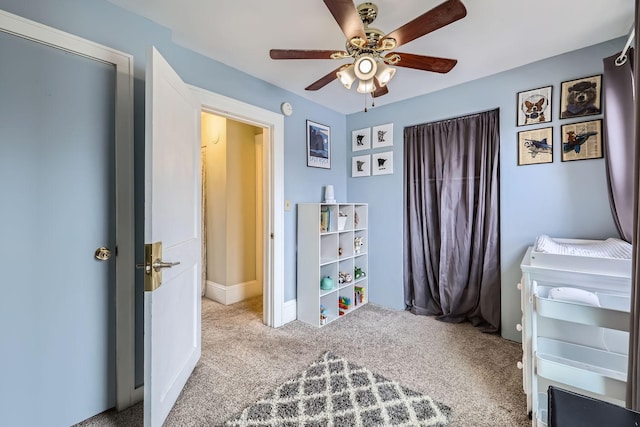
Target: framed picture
[
  {"x": 534, "y": 106},
  {"x": 581, "y": 97},
  {"x": 383, "y": 135},
  {"x": 535, "y": 146},
  {"x": 582, "y": 140},
  {"x": 318, "y": 145},
  {"x": 361, "y": 139},
  {"x": 361, "y": 165},
  {"x": 382, "y": 163}
]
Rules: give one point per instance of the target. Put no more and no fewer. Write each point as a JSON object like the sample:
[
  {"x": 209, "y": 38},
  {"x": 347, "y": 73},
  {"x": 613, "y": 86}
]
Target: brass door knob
[{"x": 103, "y": 253}]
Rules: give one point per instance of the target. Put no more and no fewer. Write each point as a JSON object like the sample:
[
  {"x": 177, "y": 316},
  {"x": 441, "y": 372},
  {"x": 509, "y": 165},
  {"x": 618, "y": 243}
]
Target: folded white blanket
[
  {"x": 574, "y": 295},
  {"x": 610, "y": 248}
]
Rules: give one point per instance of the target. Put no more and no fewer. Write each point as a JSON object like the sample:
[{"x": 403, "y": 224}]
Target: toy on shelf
[
  {"x": 344, "y": 303},
  {"x": 323, "y": 315},
  {"x": 358, "y": 273},
  {"x": 358, "y": 292},
  {"x": 344, "y": 277},
  {"x": 357, "y": 244},
  {"x": 326, "y": 283}
]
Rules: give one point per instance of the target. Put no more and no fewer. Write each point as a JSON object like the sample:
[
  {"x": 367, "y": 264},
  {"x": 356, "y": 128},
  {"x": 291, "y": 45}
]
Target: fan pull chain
[{"x": 365, "y": 103}]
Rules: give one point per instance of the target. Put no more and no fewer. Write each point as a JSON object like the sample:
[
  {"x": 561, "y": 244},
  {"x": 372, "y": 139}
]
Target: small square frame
[
  {"x": 582, "y": 140},
  {"x": 382, "y": 136},
  {"x": 581, "y": 97},
  {"x": 382, "y": 163},
  {"x": 534, "y": 106},
  {"x": 361, "y": 166},
  {"x": 318, "y": 145},
  {"x": 361, "y": 139},
  {"x": 535, "y": 146}
]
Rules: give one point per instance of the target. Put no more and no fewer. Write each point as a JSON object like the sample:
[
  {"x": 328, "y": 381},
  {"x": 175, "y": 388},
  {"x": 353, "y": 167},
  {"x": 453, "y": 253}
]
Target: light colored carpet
[{"x": 475, "y": 374}]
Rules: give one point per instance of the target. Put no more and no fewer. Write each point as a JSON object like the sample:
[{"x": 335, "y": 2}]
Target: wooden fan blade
[
  {"x": 380, "y": 90},
  {"x": 441, "y": 15},
  {"x": 302, "y": 54},
  {"x": 347, "y": 17},
  {"x": 426, "y": 63},
  {"x": 323, "y": 81}
]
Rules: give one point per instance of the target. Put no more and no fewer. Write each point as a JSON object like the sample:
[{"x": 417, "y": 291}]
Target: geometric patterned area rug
[{"x": 335, "y": 392}]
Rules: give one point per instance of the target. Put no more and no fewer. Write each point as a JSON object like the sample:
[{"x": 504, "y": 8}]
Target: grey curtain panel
[
  {"x": 633, "y": 372},
  {"x": 619, "y": 130},
  {"x": 451, "y": 221}
]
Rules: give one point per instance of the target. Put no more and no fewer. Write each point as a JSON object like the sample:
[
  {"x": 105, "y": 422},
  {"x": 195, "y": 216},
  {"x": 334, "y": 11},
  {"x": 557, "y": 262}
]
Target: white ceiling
[{"x": 496, "y": 35}]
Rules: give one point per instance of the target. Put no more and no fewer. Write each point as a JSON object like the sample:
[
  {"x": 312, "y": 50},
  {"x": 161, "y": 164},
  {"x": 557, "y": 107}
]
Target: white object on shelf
[
  {"x": 328, "y": 253},
  {"x": 328, "y": 194}
]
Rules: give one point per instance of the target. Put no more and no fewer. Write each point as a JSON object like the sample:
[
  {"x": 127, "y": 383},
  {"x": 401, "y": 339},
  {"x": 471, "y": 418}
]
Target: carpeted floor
[{"x": 474, "y": 374}]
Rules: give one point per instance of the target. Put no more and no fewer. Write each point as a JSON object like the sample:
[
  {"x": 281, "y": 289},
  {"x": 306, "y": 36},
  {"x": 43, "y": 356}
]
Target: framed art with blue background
[{"x": 318, "y": 145}]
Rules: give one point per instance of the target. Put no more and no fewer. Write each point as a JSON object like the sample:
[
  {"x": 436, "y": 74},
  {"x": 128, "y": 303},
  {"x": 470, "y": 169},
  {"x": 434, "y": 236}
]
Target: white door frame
[
  {"x": 126, "y": 393},
  {"x": 273, "y": 196}
]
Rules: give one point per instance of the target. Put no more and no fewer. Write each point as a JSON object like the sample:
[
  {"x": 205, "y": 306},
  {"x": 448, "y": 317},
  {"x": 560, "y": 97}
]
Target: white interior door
[{"x": 172, "y": 217}]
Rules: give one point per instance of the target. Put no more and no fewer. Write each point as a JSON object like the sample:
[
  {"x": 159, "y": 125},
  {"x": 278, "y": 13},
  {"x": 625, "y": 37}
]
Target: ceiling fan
[{"x": 371, "y": 48}]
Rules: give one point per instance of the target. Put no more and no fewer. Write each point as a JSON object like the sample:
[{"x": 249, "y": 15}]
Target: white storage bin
[
  {"x": 613, "y": 311},
  {"x": 598, "y": 371}
]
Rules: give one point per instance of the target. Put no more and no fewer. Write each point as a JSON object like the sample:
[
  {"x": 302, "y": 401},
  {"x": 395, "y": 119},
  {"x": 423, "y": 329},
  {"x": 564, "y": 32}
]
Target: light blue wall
[
  {"x": 104, "y": 23},
  {"x": 558, "y": 199}
]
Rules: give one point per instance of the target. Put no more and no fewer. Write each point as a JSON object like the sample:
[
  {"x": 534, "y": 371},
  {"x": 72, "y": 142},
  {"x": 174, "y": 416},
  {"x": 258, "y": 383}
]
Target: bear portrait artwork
[{"x": 581, "y": 97}]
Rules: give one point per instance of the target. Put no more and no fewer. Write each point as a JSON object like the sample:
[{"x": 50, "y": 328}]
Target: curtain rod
[
  {"x": 622, "y": 58},
  {"x": 450, "y": 119}
]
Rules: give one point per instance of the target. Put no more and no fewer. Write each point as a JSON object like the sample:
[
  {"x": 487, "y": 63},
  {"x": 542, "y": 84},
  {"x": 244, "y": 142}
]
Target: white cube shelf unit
[{"x": 333, "y": 242}]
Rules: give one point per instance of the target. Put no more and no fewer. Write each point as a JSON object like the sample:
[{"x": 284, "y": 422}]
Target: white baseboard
[
  {"x": 233, "y": 293},
  {"x": 289, "y": 311}
]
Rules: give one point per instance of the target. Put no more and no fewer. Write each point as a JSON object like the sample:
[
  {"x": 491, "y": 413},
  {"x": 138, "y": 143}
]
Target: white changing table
[{"x": 578, "y": 347}]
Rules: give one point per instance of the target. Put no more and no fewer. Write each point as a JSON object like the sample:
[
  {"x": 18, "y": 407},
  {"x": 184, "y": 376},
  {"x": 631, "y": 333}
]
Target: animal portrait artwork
[
  {"x": 359, "y": 164},
  {"x": 534, "y": 109},
  {"x": 381, "y": 162},
  {"x": 582, "y": 140},
  {"x": 535, "y": 146},
  {"x": 581, "y": 97},
  {"x": 534, "y": 106},
  {"x": 359, "y": 139}
]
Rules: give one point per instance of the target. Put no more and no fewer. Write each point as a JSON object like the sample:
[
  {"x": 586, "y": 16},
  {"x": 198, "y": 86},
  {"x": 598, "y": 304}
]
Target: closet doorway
[{"x": 233, "y": 210}]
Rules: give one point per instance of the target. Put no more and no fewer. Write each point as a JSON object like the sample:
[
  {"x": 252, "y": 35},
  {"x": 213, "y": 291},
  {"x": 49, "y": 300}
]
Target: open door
[{"x": 172, "y": 307}]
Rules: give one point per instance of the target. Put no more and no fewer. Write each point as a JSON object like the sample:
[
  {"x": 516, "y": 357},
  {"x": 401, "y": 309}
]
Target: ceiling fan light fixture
[
  {"x": 365, "y": 67},
  {"x": 366, "y": 86},
  {"x": 385, "y": 73},
  {"x": 347, "y": 76}
]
